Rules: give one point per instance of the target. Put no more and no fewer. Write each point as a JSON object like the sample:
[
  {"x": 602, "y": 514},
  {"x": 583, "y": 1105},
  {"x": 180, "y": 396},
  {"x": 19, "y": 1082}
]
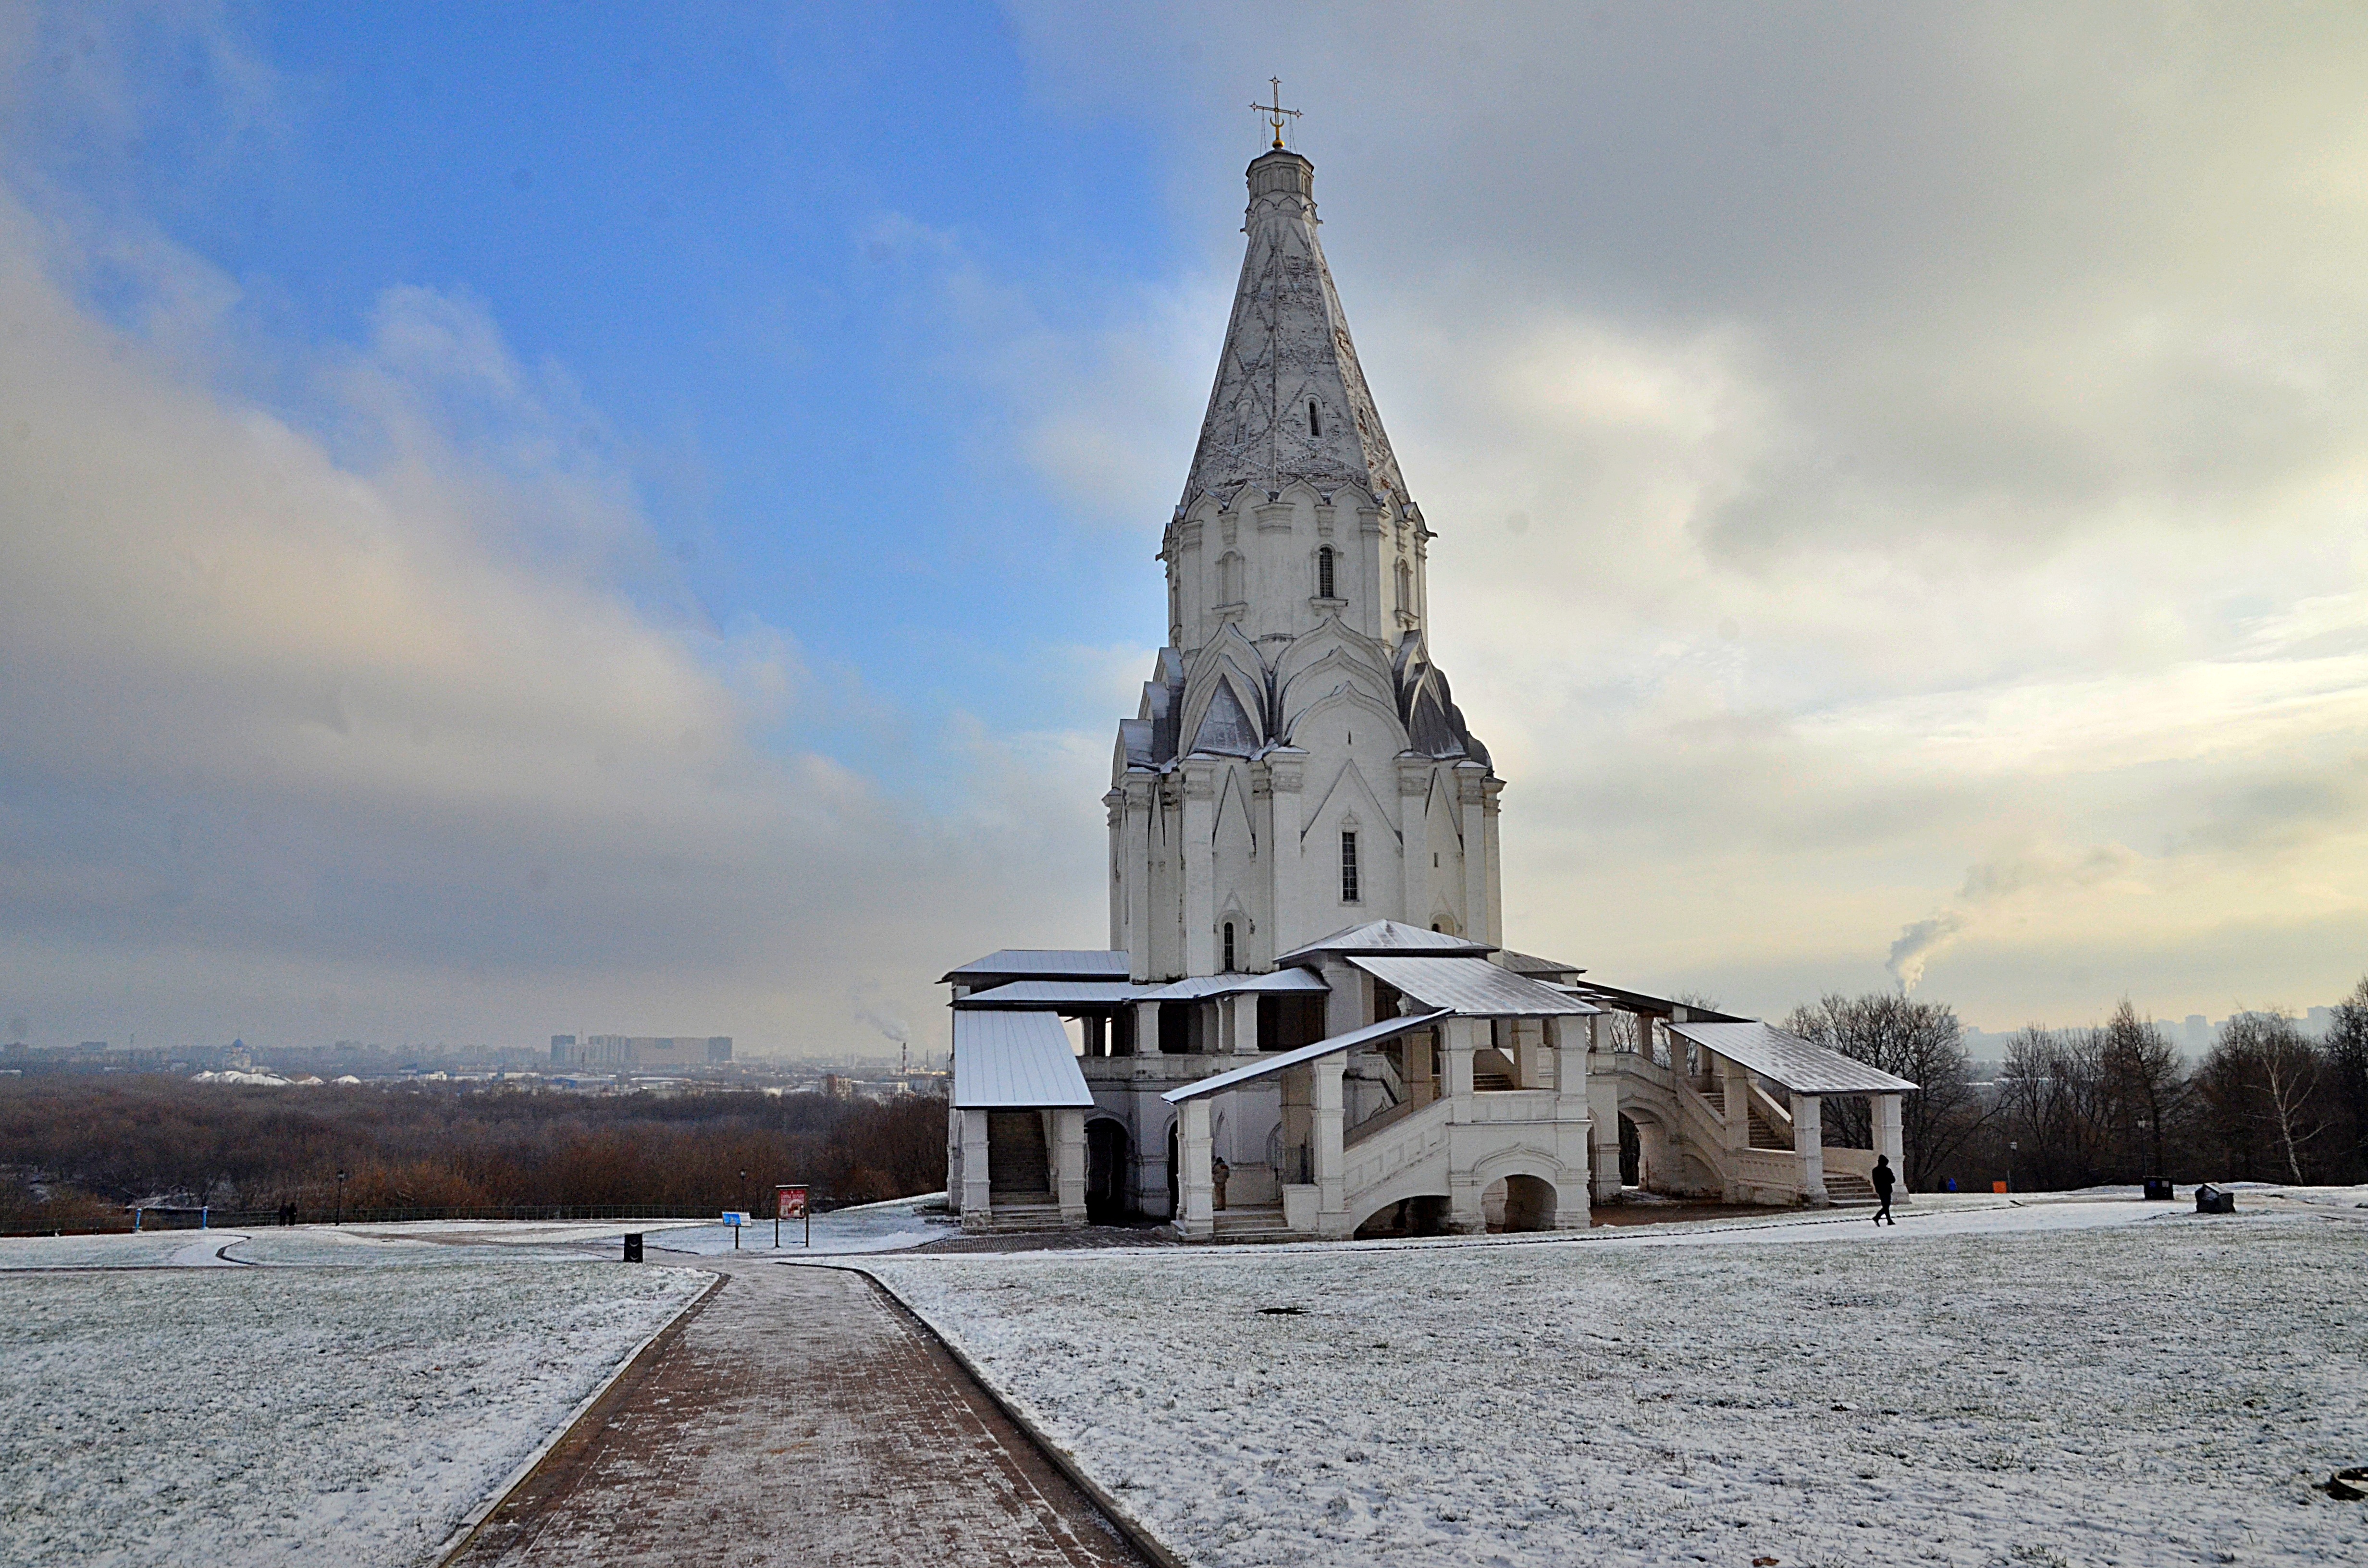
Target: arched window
[
  {"x": 1405, "y": 588},
  {"x": 1230, "y": 580},
  {"x": 1347, "y": 866},
  {"x": 1229, "y": 947},
  {"x": 1324, "y": 573},
  {"x": 1314, "y": 426}
]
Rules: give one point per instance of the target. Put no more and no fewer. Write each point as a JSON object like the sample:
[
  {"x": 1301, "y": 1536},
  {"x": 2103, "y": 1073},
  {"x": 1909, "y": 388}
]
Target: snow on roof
[
  {"x": 1656, "y": 1007},
  {"x": 1385, "y": 936},
  {"x": 1201, "y": 987},
  {"x": 1053, "y": 994},
  {"x": 1044, "y": 963},
  {"x": 1266, "y": 1064},
  {"x": 1015, "y": 1060},
  {"x": 1475, "y": 988},
  {"x": 1796, "y": 1063}
]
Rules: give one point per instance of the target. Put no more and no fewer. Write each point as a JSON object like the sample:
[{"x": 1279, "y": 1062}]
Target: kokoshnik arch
[{"x": 1307, "y": 1022}]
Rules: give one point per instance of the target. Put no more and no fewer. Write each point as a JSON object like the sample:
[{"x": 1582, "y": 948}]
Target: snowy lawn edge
[
  {"x": 1138, "y": 1534},
  {"x": 475, "y": 1520}
]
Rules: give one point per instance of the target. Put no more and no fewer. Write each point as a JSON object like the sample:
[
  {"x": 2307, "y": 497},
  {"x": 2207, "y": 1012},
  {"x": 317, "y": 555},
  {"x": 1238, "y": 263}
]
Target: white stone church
[{"x": 1306, "y": 1023}]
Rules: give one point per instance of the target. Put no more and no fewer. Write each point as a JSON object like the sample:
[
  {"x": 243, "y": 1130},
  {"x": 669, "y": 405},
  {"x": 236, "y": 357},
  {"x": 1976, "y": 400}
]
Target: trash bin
[
  {"x": 2158, "y": 1190},
  {"x": 632, "y": 1247},
  {"x": 2210, "y": 1199}
]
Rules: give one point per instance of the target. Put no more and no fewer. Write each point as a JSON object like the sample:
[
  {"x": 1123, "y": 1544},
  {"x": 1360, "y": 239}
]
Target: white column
[
  {"x": 1565, "y": 1039},
  {"x": 1458, "y": 1038},
  {"x": 1809, "y": 1145},
  {"x": 1889, "y": 1138},
  {"x": 1069, "y": 1164},
  {"x": 1603, "y": 1105},
  {"x": 974, "y": 1171},
  {"x": 1146, "y": 1028},
  {"x": 1326, "y": 1145},
  {"x": 1196, "y": 1183},
  {"x": 1241, "y": 1028}
]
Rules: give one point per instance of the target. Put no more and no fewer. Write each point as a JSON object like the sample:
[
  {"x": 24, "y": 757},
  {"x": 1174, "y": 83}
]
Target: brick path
[{"x": 798, "y": 1419}]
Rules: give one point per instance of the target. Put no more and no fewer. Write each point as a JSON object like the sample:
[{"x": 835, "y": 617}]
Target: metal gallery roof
[
  {"x": 1475, "y": 988},
  {"x": 1294, "y": 982},
  {"x": 1054, "y": 996},
  {"x": 1015, "y": 1060},
  {"x": 1267, "y": 1064},
  {"x": 1043, "y": 963},
  {"x": 1384, "y": 937},
  {"x": 1800, "y": 1066}
]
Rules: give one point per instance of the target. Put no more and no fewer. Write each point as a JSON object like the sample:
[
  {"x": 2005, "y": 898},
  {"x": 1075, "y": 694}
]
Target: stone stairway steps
[
  {"x": 1017, "y": 1159},
  {"x": 1849, "y": 1190}
]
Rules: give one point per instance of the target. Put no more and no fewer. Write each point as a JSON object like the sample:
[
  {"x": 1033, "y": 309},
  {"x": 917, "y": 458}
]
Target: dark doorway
[
  {"x": 1632, "y": 1154},
  {"x": 1106, "y": 1148}
]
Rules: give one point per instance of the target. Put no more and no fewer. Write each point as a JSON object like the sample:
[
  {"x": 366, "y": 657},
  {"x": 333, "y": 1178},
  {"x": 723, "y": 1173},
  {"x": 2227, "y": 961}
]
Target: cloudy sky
[{"x": 515, "y": 520}]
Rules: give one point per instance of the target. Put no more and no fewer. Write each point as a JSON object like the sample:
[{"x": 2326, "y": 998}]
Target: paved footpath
[{"x": 798, "y": 1418}]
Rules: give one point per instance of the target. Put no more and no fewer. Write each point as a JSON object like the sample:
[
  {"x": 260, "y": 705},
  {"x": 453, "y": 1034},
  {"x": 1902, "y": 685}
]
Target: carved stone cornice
[{"x": 1275, "y": 517}]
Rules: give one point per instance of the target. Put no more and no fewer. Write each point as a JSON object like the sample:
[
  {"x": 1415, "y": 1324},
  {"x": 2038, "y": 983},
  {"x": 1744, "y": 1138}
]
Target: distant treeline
[
  {"x": 74, "y": 1149},
  {"x": 2114, "y": 1104}
]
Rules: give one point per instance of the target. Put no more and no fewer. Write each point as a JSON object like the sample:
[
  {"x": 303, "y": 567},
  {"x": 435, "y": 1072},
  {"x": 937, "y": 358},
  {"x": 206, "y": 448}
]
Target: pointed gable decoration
[{"x": 1290, "y": 402}]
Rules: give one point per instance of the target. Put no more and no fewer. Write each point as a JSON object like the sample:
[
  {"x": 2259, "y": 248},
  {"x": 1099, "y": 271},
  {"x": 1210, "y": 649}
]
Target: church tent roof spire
[{"x": 1290, "y": 402}]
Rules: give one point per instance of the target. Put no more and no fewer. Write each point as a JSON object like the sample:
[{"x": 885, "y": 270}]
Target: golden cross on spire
[{"x": 1274, "y": 112}]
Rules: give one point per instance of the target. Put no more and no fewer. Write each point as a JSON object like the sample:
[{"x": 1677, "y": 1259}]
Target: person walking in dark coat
[{"x": 1884, "y": 1181}]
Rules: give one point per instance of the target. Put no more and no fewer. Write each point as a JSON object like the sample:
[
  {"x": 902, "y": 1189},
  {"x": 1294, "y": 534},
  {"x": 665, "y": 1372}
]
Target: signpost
[
  {"x": 735, "y": 1218},
  {"x": 793, "y": 1206}
]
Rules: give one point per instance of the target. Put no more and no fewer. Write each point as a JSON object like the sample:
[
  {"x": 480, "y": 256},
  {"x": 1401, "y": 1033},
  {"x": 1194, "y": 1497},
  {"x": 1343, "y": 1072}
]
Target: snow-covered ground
[
  {"x": 874, "y": 1227},
  {"x": 2081, "y": 1381},
  {"x": 294, "y": 1414}
]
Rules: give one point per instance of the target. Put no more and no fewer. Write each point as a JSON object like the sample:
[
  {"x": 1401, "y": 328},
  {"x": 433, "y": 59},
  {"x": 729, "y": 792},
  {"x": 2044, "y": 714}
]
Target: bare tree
[
  {"x": 2143, "y": 1088},
  {"x": 2264, "y": 1084},
  {"x": 1921, "y": 1042},
  {"x": 2347, "y": 1061}
]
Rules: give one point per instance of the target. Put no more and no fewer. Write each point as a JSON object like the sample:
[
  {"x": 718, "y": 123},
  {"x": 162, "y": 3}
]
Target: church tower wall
[{"x": 1296, "y": 765}]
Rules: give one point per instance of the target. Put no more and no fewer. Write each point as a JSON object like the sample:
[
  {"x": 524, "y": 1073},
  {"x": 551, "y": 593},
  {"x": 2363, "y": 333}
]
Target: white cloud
[{"x": 1864, "y": 444}]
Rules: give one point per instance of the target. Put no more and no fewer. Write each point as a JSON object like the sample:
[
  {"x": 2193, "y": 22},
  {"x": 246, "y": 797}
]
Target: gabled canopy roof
[
  {"x": 1014, "y": 1061},
  {"x": 1621, "y": 1001},
  {"x": 1473, "y": 988},
  {"x": 1040, "y": 963},
  {"x": 1800, "y": 1066},
  {"x": 1269, "y": 1064},
  {"x": 1383, "y": 936},
  {"x": 1057, "y": 996}
]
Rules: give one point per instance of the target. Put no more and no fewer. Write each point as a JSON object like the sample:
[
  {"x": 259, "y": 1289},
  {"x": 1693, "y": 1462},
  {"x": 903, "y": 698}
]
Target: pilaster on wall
[
  {"x": 1414, "y": 793},
  {"x": 1069, "y": 1164},
  {"x": 1114, "y": 811},
  {"x": 1603, "y": 1105},
  {"x": 1471, "y": 811},
  {"x": 1134, "y": 873},
  {"x": 1286, "y": 774},
  {"x": 1370, "y": 535},
  {"x": 1198, "y": 852},
  {"x": 1494, "y": 934}
]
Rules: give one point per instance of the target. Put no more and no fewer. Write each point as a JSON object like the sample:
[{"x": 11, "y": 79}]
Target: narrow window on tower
[
  {"x": 1314, "y": 427},
  {"x": 1324, "y": 573},
  {"x": 1229, "y": 947},
  {"x": 1348, "y": 867}
]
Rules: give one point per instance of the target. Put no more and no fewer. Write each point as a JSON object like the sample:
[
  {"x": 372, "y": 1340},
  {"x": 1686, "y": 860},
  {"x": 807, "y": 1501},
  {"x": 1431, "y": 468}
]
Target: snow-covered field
[
  {"x": 290, "y": 1414},
  {"x": 2071, "y": 1382}
]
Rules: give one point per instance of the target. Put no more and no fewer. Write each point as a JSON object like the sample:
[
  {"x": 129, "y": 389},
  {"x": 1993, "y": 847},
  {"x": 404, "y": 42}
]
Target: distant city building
[{"x": 640, "y": 1050}]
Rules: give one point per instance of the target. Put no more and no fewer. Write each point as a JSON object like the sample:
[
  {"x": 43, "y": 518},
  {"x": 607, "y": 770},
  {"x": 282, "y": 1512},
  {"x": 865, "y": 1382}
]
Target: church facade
[{"x": 1307, "y": 1022}]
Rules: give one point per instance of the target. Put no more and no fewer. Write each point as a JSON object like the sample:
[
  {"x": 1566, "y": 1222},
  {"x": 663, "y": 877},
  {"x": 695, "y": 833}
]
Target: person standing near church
[{"x": 1884, "y": 1181}]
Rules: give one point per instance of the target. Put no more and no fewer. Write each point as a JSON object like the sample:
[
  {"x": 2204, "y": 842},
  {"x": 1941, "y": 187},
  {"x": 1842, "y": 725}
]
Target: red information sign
[{"x": 794, "y": 1203}]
